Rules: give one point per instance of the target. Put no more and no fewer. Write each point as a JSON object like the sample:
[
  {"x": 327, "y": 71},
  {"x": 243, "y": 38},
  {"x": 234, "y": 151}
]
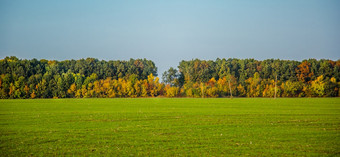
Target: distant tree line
[
  {"x": 85, "y": 78},
  {"x": 70, "y": 78},
  {"x": 253, "y": 78}
]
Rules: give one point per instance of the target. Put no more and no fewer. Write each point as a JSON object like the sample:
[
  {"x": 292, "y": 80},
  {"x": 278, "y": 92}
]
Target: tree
[
  {"x": 292, "y": 89},
  {"x": 171, "y": 77},
  {"x": 270, "y": 88},
  {"x": 318, "y": 86},
  {"x": 222, "y": 86},
  {"x": 171, "y": 91},
  {"x": 33, "y": 95},
  {"x": 331, "y": 87},
  {"x": 72, "y": 91},
  {"x": 241, "y": 90},
  {"x": 253, "y": 85},
  {"x": 303, "y": 71}
]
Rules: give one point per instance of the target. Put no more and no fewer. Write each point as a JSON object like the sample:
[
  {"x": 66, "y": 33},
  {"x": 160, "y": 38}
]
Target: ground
[{"x": 170, "y": 127}]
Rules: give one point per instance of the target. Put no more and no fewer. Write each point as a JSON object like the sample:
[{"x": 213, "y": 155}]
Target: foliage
[
  {"x": 90, "y": 77},
  {"x": 77, "y": 78},
  {"x": 253, "y": 78}
]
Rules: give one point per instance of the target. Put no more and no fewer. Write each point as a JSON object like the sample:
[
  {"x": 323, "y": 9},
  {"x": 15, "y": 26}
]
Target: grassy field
[{"x": 170, "y": 127}]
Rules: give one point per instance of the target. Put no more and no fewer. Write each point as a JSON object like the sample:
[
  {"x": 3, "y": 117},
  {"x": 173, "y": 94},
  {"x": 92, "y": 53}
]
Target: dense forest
[
  {"x": 253, "y": 78},
  {"x": 85, "y": 78}
]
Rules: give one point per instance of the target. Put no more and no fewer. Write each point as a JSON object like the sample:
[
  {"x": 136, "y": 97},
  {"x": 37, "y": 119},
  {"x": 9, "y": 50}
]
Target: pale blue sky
[{"x": 170, "y": 31}]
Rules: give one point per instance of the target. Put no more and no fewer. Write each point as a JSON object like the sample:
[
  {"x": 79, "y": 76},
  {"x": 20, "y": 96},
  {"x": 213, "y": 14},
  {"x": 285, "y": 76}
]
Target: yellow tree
[
  {"x": 241, "y": 90},
  {"x": 159, "y": 86},
  {"x": 269, "y": 88},
  {"x": 84, "y": 92},
  {"x": 90, "y": 91},
  {"x": 291, "y": 89},
  {"x": 153, "y": 85},
  {"x": 33, "y": 95},
  {"x": 137, "y": 87},
  {"x": 112, "y": 91},
  {"x": 318, "y": 86},
  {"x": 97, "y": 88},
  {"x": 222, "y": 86},
  {"x": 144, "y": 88},
  {"x": 253, "y": 85},
  {"x": 211, "y": 90},
  {"x": 150, "y": 82},
  {"x": 78, "y": 93},
  {"x": 72, "y": 90},
  {"x": 124, "y": 89},
  {"x": 131, "y": 90},
  {"x": 171, "y": 91},
  {"x": 107, "y": 85},
  {"x": 11, "y": 90},
  {"x": 155, "y": 89},
  {"x": 26, "y": 89},
  {"x": 188, "y": 89}
]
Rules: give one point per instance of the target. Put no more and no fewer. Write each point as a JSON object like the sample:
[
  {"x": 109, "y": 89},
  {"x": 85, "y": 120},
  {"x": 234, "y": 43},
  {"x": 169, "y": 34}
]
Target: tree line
[{"x": 85, "y": 78}]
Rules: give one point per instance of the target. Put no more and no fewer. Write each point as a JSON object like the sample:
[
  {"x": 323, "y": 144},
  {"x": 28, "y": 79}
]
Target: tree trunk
[
  {"x": 275, "y": 86},
  {"x": 231, "y": 93}
]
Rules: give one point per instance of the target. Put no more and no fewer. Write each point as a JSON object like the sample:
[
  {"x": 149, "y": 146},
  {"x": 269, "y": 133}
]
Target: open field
[{"x": 170, "y": 127}]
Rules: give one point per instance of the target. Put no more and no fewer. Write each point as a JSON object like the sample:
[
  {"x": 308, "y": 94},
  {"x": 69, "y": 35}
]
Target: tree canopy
[{"x": 22, "y": 78}]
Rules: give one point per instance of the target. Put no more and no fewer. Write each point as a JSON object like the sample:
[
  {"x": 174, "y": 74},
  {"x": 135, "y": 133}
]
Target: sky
[{"x": 167, "y": 32}]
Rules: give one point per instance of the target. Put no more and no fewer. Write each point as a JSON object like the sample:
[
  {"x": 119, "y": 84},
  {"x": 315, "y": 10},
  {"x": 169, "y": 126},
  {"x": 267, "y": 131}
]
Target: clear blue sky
[{"x": 170, "y": 31}]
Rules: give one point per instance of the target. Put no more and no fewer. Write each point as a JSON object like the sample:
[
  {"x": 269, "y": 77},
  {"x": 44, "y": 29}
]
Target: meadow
[{"x": 170, "y": 127}]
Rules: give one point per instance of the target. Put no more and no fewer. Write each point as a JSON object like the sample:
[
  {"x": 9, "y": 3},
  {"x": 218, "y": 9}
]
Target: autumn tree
[
  {"x": 318, "y": 86},
  {"x": 303, "y": 71}
]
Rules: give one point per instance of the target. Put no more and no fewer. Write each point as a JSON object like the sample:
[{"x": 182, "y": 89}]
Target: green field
[{"x": 170, "y": 127}]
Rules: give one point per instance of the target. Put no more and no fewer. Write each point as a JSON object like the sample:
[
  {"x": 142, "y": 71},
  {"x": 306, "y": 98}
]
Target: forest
[{"x": 88, "y": 78}]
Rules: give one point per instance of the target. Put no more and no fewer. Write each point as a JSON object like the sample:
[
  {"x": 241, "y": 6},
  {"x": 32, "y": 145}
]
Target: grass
[{"x": 170, "y": 127}]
